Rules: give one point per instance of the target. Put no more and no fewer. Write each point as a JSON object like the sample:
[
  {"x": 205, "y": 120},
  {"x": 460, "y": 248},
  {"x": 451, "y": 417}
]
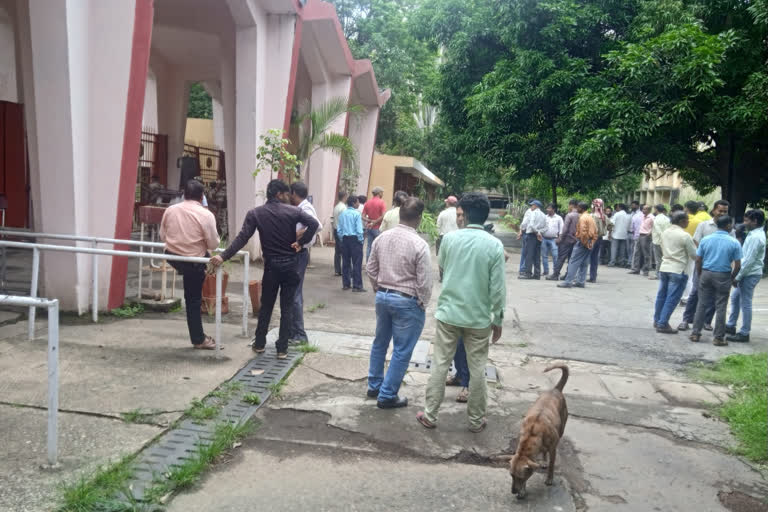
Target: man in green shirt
[{"x": 471, "y": 305}]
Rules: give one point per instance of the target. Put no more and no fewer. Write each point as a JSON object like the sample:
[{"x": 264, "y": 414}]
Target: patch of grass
[
  {"x": 521, "y": 345},
  {"x": 138, "y": 416},
  {"x": 99, "y": 490},
  {"x": 186, "y": 475},
  {"x": 128, "y": 310},
  {"x": 225, "y": 391},
  {"x": 176, "y": 309},
  {"x": 201, "y": 411},
  {"x": 307, "y": 348},
  {"x": 276, "y": 388},
  {"x": 747, "y": 410},
  {"x": 252, "y": 398},
  {"x": 315, "y": 307}
]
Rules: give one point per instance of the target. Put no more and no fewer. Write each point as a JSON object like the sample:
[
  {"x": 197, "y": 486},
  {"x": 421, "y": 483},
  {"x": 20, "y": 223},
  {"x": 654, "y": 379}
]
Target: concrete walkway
[{"x": 640, "y": 436}]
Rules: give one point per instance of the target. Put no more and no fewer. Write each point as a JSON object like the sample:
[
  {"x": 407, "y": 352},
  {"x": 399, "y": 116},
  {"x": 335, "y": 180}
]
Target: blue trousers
[
  {"x": 548, "y": 247},
  {"x": 401, "y": 320},
  {"x": 577, "y": 267},
  {"x": 671, "y": 288},
  {"x": 352, "y": 262},
  {"x": 371, "y": 235},
  {"x": 460, "y": 362},
  {"x": 741, "y": 300}
]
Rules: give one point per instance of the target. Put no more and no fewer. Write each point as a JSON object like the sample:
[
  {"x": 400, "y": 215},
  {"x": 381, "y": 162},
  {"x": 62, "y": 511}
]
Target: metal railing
[
  {"x": 53, "y": 363},
  {"x": 94, "y": 240},
  {"x": 36, "y": 248}
]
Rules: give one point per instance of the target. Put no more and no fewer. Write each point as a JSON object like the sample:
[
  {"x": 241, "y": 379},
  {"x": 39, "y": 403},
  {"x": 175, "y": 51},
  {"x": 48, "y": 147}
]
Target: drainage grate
[
  {"x": 177, "y": 446},
  {"x": 490, "y": 371}
]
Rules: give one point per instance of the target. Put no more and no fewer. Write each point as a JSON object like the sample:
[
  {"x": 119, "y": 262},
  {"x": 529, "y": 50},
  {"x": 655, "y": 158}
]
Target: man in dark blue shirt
[{"x": 276, "y": 221}]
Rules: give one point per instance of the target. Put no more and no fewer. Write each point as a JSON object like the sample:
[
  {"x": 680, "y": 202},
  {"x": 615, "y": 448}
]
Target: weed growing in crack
[
  {"x": 307, "y": 348},
  {"x": 200, "y": 411},
  {"x": 184, "y": 476},
  {"x": 315, "y": 307},
  {"x": 138, "y": 416},
  {"x": 276, "y": 388},
  {"x": 104, "y": 489},
  {"x": 252, "y": 398}
]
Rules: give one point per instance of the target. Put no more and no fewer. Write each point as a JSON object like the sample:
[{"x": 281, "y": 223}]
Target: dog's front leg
[{"x": 551, "y": 466}]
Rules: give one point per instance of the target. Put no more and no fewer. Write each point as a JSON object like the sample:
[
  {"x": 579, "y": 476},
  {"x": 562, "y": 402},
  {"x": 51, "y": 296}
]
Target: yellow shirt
[{"x": 695, "y": 220}]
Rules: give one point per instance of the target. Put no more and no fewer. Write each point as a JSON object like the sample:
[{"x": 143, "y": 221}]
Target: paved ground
[{"x": 639, "y": 438}]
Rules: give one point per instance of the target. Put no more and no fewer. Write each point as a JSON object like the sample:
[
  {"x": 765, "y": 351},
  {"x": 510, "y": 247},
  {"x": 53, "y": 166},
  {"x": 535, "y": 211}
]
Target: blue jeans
[
  {"x": 741, "y": 300},
  {"x": 522, "y": 255},
  {"x": 371, "y": 235},
  {"x": 548, "y": 247},
  {"x": 460, "y": 362},
  {"x": 671, "y": 288},
  {"x": 401, "y": 320},
  {"x": 577, "y": 267}
]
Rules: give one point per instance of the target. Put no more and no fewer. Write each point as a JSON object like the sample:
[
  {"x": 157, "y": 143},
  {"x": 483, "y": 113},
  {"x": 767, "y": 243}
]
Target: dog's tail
[{"x": 564, "y": 378}]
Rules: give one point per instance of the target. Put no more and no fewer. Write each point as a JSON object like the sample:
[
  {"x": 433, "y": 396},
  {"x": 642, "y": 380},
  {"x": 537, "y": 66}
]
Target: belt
[
  {"x": 396, "y": 292},
  {"x": 549, "y": 237}
]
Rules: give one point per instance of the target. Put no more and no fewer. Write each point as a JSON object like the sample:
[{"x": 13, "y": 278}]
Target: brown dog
[{"x": 542, "y": 428}]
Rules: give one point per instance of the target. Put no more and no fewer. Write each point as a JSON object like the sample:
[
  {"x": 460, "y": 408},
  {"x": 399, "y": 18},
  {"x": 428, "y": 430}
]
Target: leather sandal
[
  {"x": 207, "y": 344},
  {"x": 422, "y": 418}
]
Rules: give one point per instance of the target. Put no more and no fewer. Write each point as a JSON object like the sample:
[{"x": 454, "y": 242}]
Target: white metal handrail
[
  {"x": 138, "y": 243},
  {"x": 53, "y": 363},
  {"x": 106, "y": 252}
]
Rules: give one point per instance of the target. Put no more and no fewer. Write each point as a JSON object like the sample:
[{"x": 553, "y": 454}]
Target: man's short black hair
[
  {"x": 352, "y": 201},
  {"x": 300, "y": 189},
  {"x": 677, "y": 207},
  {"x": 411, "y": 209},
  {"x": 678, "y": 217},
  {"x": 573, "y": 202},
  {"x": 756, "y": 215},
  {"x": 724, "y": 221},
  {"x": 342, "y": 195},
  {"x": 692, "y": 206},
  {"x": 635, "y": 202},
  {"x": 362, "y": 199},
  {"x": 399, "y": 198},
  {"x": 276, "y": 187},
  {"x": 621, "y": 206},
  {"x": 661, "y": 208},
  {"x": 584, "y": 206},
  {"x": 194, "y": 190},
  {"x": 721, "y": 202},
  {"x": 476, "y": 207},
  {"x": 553, "y": 206}
]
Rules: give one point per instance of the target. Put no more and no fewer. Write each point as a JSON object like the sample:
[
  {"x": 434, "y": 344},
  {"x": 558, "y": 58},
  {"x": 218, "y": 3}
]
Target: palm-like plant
[{"x": 315, "y": 135}]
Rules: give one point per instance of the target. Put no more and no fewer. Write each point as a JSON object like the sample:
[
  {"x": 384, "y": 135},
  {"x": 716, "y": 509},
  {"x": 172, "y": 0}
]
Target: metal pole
[
  {"x": 218, "y": 311},
  {"x": 246, "y": 295},
  {"x": 53, "y": 381},
  {"x": 95, "y": 294},
  {"x": 33, "y": 291},
  {"x": 141, "y": 260}
]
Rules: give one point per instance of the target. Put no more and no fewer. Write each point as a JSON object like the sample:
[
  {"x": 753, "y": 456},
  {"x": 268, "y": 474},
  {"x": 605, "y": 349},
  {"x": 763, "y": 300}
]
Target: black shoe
[
  {"x": 633, "y": 272},
  {"x": 564, "y": 285},
  {"x": 578, "y": 285},
  {"x": 591, "y": 280},
  {"x": 392, "y": 403},
  {"x": 666, "y": 329},
  {"x": 372, "y": 393},
  {"x": 359, "y": 290},
  {"x": 739, "y": 338},
  {"x": 730, "y": 330},
  {"x": 553, "y": 277},
  {"x": 346, "y": 287},
  {"x": 524, "y": 276}
]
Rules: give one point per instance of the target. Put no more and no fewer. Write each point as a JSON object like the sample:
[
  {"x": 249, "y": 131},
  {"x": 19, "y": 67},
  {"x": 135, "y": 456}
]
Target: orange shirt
[{"x": 189, "y": 229}]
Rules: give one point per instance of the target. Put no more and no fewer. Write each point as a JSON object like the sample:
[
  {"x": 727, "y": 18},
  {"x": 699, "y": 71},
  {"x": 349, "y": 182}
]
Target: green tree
[
  {"x": 200, "y": 102},
  {"x": 687, "y": 89}
]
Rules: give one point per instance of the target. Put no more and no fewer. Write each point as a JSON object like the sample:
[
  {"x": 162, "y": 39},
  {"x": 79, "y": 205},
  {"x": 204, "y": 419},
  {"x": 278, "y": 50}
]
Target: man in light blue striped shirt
[
  {"x": 349, "y": 227},
  {"x": 753, "y": 256}
]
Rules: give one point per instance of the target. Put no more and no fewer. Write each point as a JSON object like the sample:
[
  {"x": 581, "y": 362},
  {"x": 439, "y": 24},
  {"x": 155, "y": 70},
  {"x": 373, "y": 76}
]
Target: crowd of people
[{"x": 687, "y": 248}]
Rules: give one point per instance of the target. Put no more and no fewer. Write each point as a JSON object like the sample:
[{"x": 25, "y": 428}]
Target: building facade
[{"x": 80, "y": 78}]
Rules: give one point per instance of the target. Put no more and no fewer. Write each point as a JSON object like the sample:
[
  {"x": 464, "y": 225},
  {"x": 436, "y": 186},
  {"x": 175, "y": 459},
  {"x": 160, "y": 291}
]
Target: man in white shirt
[
  {"x": 619, "y": 234},
  {"x": 446, "y": 221},
  {"x": 340, "y": 207},
  {"x": 533, "y": 226},
  {"x": 551, "y": 238},
  {"x": 660, "y": 224},
  {"x": 299, "y": 194}
]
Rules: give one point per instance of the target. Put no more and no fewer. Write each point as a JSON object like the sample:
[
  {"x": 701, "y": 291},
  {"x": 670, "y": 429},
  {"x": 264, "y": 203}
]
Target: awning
[{"x": 417, "y": 169}]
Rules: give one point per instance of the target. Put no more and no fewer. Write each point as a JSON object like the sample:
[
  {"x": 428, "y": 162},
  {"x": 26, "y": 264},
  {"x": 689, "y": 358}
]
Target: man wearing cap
[
  {"x": 373, "y": 213},
  {"x": 446, "y": 221},
  {"x": 533, "y": 226}
]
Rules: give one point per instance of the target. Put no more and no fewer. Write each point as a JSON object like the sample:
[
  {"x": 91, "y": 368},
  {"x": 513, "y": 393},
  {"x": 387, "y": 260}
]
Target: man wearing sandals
[
  {"x": 276, "y": 221},
  {"x": 189, "y": 229},
  {"x": 471, "y": 306}
]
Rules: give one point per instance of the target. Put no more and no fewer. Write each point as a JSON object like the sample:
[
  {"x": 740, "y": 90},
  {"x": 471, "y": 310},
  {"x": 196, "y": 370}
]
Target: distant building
[
  {"x": 664, "y": 186},
  {"x": 394, "y": 172}
]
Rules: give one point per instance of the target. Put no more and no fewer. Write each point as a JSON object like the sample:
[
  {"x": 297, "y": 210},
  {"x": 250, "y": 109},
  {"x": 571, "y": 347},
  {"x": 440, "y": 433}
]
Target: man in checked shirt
[{"x": 400, "y": 273}]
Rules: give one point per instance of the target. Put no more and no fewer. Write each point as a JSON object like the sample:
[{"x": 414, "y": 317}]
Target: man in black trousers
[{"x": 276, "y": 221}]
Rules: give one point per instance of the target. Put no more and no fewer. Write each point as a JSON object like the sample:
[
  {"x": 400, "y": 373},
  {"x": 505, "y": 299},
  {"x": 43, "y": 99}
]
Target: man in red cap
[{"x": 446, "y": 221}]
